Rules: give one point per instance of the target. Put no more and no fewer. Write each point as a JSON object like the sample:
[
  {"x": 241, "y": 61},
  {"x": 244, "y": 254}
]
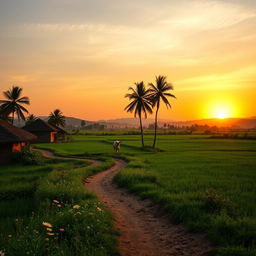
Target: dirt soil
[{"x": 144, "y": 229}]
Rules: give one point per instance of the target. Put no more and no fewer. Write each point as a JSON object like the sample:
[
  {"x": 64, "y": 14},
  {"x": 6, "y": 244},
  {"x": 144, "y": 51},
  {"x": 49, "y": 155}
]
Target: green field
[{"x": 207, "y": 184}]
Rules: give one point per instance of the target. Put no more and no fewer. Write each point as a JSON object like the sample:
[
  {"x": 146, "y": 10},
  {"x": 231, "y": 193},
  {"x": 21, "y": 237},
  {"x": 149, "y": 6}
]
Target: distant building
[
  {"x": 61, "y": 134},
  {"x": 44, "y": 131},
  {"x": 12, "y": 139}
]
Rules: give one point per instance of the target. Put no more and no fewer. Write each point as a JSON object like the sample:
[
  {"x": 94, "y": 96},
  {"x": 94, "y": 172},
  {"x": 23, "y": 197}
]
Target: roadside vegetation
[
  {"x": 206, "y": 184},
  {"x": 45, "y": 210}
]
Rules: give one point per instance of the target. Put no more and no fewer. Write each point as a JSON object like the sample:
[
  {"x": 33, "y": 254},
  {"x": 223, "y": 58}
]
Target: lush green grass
[
  {"x": 208, "y": 184},
  {"x": 79, "y": 224}
]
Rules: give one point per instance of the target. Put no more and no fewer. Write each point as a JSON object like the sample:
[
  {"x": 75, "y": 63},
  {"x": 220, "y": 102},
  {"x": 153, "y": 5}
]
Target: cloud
[{"x": 205, "y": 15}]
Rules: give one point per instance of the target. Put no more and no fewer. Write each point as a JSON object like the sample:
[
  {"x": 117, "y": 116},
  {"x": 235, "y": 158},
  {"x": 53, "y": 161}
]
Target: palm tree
[
  {"x": 140, "y": 103},
  {"x": 56, "y": 118},
  {"x": 31, "y": 118},
  {"x": 13, "y": 103},
  {"x": 5, "y": 115},
  {"x": 159, "y": 92}
]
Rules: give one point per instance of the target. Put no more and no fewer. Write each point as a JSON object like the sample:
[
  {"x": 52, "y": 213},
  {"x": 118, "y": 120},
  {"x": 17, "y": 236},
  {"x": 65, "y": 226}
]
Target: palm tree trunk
[
  {"x": 12, "y": 117},
  {"x": 157, "y": 108},
  {"x": 141, "y": 132}
]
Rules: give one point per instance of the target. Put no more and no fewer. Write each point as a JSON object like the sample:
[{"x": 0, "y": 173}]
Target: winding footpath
[{"x": 144, "y": 229}]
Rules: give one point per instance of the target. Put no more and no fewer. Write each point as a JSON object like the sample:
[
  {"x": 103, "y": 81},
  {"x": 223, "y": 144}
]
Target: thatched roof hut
[
  {"x": 12, "y": 139},
  {"x": 44, "y": 131}
]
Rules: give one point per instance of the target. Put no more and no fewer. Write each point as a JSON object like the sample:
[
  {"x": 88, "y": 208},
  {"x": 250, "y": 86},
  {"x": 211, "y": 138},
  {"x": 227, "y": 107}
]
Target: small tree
[
  {"x": 83, "y": 123},
  {"x": 56, "y": 118},
  {"x": 31, "y": 118}
]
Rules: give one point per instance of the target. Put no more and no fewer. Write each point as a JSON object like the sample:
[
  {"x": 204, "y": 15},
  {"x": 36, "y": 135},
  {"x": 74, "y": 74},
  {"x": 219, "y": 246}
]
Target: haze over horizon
[{"x": 81, "y": 56}]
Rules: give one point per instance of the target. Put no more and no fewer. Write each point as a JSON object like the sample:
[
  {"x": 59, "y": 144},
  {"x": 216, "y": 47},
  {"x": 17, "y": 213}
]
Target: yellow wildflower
[
  {"x": 76, "y": 206},
  {"x": 50, "y": 234}
]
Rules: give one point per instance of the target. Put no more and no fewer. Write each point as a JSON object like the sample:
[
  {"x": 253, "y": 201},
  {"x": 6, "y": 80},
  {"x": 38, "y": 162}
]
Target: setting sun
[
  {"x": 221, "y": 113},
  {"x": 221, "y": 109}
]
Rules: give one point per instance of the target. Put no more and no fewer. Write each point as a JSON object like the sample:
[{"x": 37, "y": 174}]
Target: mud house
[
  {"x": 61, "y": 135},
  {"x": 44, "y": 131},
  {"x": 12, "y": 139}
]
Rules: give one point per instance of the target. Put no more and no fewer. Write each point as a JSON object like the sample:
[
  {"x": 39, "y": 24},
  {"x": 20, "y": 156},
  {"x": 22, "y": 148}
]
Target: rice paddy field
[{"x": 207, "y": 184}]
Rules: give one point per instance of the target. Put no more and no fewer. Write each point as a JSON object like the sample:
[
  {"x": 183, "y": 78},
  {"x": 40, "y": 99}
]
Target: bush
[
  {"x": 213, "y": 201},
  {"x": 27, "y": 157}
]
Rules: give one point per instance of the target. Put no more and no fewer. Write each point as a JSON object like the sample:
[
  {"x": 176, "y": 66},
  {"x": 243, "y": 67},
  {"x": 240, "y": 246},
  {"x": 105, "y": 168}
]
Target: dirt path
[
  {"x": 144, "y": 232},
  {"x": 49, "y": 154}
]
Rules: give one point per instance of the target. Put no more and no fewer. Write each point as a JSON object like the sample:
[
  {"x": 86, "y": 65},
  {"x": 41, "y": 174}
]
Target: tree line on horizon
[
  {"x": 13, "y": 104},
  {"x": 144, "y": 100}
]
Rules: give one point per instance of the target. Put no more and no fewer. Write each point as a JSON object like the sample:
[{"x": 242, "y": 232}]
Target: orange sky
[{"x": 81, "y": 56}]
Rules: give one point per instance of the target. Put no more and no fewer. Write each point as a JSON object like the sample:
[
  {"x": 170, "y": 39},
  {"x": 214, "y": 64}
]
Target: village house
[
  {"x": 44, "y": 131},
  {"x": 12, "y": 139},
  {"x": 61, "y": 134}
]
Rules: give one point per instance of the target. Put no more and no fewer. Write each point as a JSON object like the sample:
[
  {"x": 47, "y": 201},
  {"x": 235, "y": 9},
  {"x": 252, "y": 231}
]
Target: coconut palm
[
  {"x": 31, "y": 118},
  {"x": 140, "y": 103},
  {"x": 5, "y": 115},
  {"x": 159, "y": 92},
  {"x": 56, "y": 118},
  {"x": 13, "y": 103}
]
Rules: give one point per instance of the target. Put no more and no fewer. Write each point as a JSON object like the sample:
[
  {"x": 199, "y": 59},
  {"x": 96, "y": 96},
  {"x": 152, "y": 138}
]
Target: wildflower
[
  {"x": 56, "y": 201},
  {"x": 62, "y": 229},
  {"x": 99, "y": 209},
  {"x": 50, "y": 234},
  {"x": 46, "y": 239},
  {"x": 10, "y": 236},
  {"x": 76, "y": 206},
  {"x": 46, "y": 224},
  {"x": 59, "y": 205},
  {"x": 49, "y": 229}
]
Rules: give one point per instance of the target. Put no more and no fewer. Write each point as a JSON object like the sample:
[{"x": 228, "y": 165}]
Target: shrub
[
  {"x": 28, "y": 157},
  {"x": 213, "y": 201}
]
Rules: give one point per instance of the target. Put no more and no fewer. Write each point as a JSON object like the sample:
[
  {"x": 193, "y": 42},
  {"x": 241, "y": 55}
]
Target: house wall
[
  {"x": 5, "y": 152},
  {"x": 44, "y": 137},
  {"x": 53, "y": 136}
]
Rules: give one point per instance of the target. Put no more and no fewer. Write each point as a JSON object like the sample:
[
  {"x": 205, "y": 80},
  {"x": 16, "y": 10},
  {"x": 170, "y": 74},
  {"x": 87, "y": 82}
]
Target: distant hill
[
  {"x": 132, "y": 123},
  {"x": 245, "y": 123},
  {"x": 71, "y": 122},
  {"x": 227, "y": 122}
]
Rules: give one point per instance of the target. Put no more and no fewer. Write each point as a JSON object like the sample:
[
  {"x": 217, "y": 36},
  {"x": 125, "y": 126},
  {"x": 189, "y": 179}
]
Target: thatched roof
[
  {"x": 39, "y": 125},
  {"x": 60, "y": 130},
  {"x": 13, "y": 134}
]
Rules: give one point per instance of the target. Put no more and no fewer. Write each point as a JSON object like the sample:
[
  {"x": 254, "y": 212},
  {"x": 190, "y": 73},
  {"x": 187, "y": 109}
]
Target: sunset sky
[{"x": 81, "y": 56}]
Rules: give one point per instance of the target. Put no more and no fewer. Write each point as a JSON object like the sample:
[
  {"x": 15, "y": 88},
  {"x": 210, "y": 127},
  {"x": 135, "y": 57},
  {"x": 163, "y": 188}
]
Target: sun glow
[
  {"x": 221, "y": 113},
  {"x": 221, "y": 109}
]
